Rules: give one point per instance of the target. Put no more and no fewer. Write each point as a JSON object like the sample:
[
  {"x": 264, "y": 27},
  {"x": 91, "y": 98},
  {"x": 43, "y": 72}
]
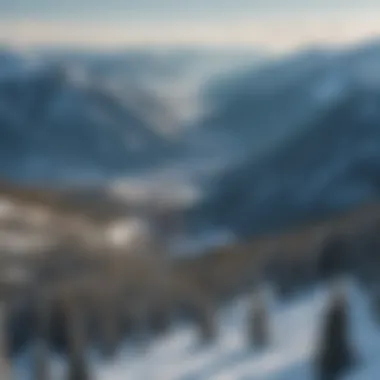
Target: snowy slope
[
  {"x": 295, "y": 334},
  {"x": 295, "y": 329}
]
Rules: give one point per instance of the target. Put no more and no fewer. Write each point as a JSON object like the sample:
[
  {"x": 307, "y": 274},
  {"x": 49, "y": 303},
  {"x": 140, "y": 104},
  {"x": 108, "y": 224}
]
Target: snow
[
  {"x": 127, "y": 232},
  {"x": 295, "y": 335},
  {"x": 330, "y": 90},
  {"x": 295, "y": 330}
]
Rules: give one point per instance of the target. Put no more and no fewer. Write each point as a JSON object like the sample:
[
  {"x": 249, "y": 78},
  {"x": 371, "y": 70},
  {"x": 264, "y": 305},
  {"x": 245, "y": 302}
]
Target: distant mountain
[
  {"x": 253, "y": 109},
  {"x": 88, "y": 114},
  {"x": 322, "y": 153},
  {"x": 56, "y": 121}
]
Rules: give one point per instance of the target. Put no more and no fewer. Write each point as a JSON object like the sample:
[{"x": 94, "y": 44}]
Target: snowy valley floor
[{"x": 295, "y": 328}]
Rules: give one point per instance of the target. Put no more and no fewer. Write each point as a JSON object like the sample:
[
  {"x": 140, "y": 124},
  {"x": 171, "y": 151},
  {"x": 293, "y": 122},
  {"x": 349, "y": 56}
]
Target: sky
[{"x": 270, "y": 24}]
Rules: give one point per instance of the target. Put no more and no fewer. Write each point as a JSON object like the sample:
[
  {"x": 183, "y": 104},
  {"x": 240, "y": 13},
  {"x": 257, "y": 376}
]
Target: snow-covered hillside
[{"x": 295, "y": 332}]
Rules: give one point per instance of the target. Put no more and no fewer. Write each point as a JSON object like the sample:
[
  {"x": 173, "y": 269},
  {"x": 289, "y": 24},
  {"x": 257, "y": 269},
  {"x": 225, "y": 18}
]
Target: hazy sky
[{"x": 275, "y": 24}]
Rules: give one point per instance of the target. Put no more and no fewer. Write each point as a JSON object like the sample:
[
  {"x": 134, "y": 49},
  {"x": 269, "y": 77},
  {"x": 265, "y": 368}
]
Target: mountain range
[
  {"x": 309, "y": 127},
  {"x": 269, "y": 140}
]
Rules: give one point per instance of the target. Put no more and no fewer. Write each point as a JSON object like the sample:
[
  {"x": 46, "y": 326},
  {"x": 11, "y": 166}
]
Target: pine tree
[
  {"x": 5, "y": 370},
  {"x": 258, "y": 323},
  {"x": 111, "y": 327},
  {"x": 204, "y": 313},
  {"x": 206, "y": 324},
  {"x": 42, "y": 330},
  {"x": 375, "y": 307},
  {"x": 77, "y": 365},
  {"x": 335, "y": 355},
  {"x": 160, "y": 319},
  {"x": 333, "y": 260}
]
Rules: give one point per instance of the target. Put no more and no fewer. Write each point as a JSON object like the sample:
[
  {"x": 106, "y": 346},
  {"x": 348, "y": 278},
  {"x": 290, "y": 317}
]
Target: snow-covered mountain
[
  {"x": 65, "y": 114},
  {"x": 256, "y": 107},
  {"x": 55, "y": 122},
  {"x": 273, "y": 138},
  {"x": 309, "y": 126}
]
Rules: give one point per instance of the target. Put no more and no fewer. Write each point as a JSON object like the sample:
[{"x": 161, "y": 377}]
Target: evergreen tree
[
  {"x": 5, "y": 368},
  {"x": 206, "y": 323},
  {"x": 375, "y": 307},
  {"x": 111, "y": 328},
  {"x": 77, "y": 364},
  {"x": 333, "y": 260},
  {"x": 42, "y": 335},
  {"x": 203, "y": 312},
  {"x": 160, "y": 320},
  {"x": 335, "y": 355},
  {"x": 258, "y": 323}
]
